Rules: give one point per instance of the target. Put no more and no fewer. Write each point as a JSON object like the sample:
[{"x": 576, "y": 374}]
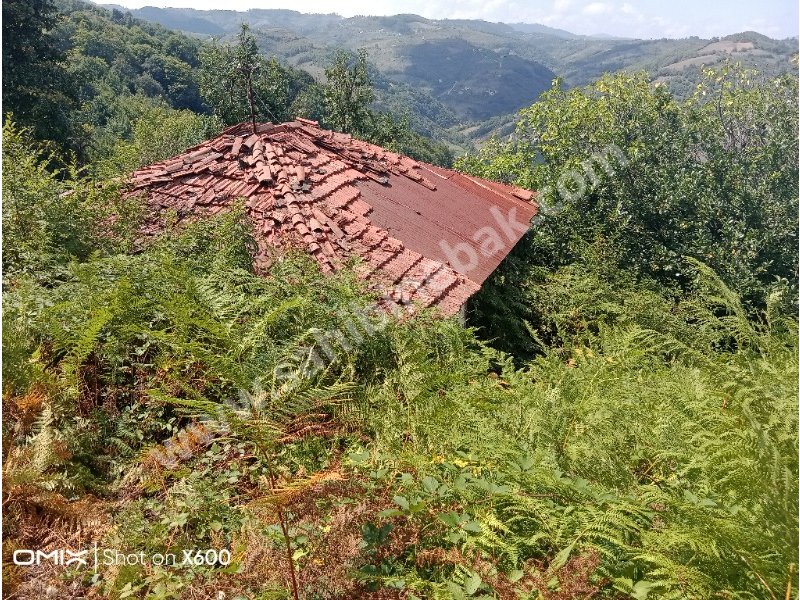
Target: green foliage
[
  {"x": 138, "y": 131},
  {"x": 112, "y": 52},
  {"x": 309, "y": 103},
  {"x": 53, "y": 216},
  {"x": 36, "y": 89},
  {"x": 348, "y": 92},
  {"x": 162, "y": 133},
  {"x": 129, "y": 316},
  {"x": 348, "y": 95},
  {"x": 396, "y": 134},
  {"x": 630, "y": 177},
  {"x": 639, "y": 441},
  {"x": 112, "y": 62},
  {"x": 154, "y": 132},
  {"x": 636, "y": 455},
  {"x": 224, "y": 76}
]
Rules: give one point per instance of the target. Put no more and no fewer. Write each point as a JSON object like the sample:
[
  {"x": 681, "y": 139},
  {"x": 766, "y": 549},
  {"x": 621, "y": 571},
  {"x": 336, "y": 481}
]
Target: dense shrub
[
  {"x": 634, "y": 458},
  {"x": 639, "y": 183}
]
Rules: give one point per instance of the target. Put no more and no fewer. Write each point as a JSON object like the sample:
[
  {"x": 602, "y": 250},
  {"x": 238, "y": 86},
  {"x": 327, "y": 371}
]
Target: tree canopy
[
  {"x": 632, "y": 178},
  {"x": 348, "y": 92},
  {"x": 234, "y": 76},
  {"x": 36, "y": 89}
]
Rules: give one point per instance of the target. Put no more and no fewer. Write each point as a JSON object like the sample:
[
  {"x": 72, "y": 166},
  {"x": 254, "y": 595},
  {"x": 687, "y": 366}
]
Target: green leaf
[
  {"x": 515, "y": 575},
  {"x": 641, "y": 589},
  {"x": 451, "y": 519},
  {"x": 562, "y": 557},
  {"x": 472, "y": 583},
  {"x": 525, "y": 463},
  {"x": 298, "y": 554},
  {"x": 396, "y": 584},
  {"x": 401, "y": 501},
  {"x": 472, "y": 526},
  {"x": 358, "y": 458},
  {"x": 454, "y": 537},
  {"x": 430, "y": 484},
  {"x": 456, "y": 591}
]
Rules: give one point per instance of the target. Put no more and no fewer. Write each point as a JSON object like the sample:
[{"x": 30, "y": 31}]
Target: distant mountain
[
  {"x": 459, "y": 75},
  {"x": 578, "y": 59},
  {"x": 476, "y": 78},
  {"x": 607, "y": 36},
  {"x": 536, "y": 28},
  {"x": 181, "y": 22}
]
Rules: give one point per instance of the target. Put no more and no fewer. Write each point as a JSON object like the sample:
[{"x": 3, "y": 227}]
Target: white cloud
[
  {"x": 561, "y": 6},
  {"x": 597, "y": 8}
]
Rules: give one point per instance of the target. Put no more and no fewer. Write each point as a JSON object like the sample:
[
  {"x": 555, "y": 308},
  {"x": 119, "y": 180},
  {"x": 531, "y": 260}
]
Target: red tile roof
[{"x": 338, "y": 198}]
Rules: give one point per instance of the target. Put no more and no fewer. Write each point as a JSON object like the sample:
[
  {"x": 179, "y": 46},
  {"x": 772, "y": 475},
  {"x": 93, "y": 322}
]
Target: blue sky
[{"x": 628, "y": 18}]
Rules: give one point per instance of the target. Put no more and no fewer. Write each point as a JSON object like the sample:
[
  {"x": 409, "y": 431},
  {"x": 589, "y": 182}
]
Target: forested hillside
[
  {"x": 479, "y": 70},
  {"x": 617, "y": 418},
  {"x": 102, "y": 83}
]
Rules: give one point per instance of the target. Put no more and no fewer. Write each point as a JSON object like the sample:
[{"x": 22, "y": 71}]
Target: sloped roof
[{"x": 338, "y": 198}]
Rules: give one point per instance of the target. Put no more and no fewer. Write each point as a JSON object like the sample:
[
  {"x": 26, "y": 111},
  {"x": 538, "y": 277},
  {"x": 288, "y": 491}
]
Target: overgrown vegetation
[
  {"x": 636, "y": 459},
  {"x": 91, "y": 80},
  {"x": 620, "y": 421},
  {"x": 639, "y": 183}
]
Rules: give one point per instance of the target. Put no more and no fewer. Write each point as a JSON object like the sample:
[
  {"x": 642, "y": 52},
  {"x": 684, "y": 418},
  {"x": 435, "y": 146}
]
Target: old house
[{"x": 424, "y": 235}]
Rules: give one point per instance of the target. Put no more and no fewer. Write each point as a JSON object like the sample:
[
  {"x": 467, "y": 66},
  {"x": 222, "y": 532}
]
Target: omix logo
[{"x": 64, "y": 558}]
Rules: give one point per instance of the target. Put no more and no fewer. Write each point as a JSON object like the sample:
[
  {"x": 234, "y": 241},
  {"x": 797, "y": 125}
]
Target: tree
[
  {"x": 348, "y": 92},
  {"x": 395, "y": 134},
  {"x": 35, "y": 87},
  {"x": 235, "y": 79},
  {"x": 309, "y": 103},
  {"x": 637, "y": 183},
  {"x": 156, "y": 132},
  {"x": 640, "y": 180}
]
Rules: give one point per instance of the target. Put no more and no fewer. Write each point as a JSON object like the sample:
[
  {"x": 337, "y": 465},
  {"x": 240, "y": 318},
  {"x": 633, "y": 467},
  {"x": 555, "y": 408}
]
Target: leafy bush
[
  {"x": 638, "y": 441},
  {"x": 52, "y": 215},
  {"x": 146, "y": 132},
  {"x": 640, "y": 180}
]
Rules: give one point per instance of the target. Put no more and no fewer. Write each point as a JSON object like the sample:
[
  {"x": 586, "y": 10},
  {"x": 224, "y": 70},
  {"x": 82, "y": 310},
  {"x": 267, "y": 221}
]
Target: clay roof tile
[{"x": 339, "y": 197}]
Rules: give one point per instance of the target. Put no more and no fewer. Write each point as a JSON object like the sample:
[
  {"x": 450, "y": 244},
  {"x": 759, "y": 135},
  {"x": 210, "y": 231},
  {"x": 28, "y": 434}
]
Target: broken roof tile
[{"x": 340, "y": 197}]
